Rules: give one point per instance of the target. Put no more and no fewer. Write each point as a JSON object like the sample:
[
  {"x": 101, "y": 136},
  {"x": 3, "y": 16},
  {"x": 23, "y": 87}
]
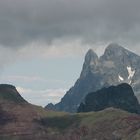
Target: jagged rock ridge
[{"x": 117, "y": 65}]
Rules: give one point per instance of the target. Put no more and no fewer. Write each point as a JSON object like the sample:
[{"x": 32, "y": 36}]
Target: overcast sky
[{"x": 43, "y": 42}]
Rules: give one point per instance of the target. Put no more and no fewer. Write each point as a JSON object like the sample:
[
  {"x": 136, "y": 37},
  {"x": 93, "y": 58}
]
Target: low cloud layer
[
  {"x": 22, "y": 22},
  {"x": 54, "y": 28}
]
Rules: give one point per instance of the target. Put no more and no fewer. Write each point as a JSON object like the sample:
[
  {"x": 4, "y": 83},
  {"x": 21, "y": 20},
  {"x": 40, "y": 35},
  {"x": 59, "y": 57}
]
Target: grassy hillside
[
  {"x": 20, "y": 120},
  {"x": 9, "y": 93},
  {"x": 109, "y": 124}
]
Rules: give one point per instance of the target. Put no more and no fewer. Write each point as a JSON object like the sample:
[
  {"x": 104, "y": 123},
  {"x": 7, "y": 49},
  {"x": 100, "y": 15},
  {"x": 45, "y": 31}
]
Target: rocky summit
[
  {"x": 117, "y": 65},
  {"x": 121, "y": 96}
]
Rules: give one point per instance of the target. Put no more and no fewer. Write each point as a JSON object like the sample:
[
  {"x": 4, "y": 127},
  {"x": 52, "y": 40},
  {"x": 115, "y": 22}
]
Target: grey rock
[{"x": 117, "y": 65}]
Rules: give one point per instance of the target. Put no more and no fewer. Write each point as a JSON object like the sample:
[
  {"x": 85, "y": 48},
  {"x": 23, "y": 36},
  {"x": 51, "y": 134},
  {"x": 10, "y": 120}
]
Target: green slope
[
  {"x": 9, "y": 93},
  {"x": 20, "y": 120}
]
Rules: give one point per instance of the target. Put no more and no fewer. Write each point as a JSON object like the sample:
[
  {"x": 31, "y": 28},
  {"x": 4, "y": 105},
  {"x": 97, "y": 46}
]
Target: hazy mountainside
[
  {"x": 117, "y": 65},
  {"x": 121, "y": 96},
  {"x": 20, "y": 120}
]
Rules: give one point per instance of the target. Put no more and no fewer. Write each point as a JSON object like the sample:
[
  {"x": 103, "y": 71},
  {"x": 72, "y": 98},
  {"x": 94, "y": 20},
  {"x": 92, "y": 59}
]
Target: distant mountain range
[
  {"x": 20, "y": 120},
  {"x": 117, "y": 65},
  {"x": 121, "y": 97}
]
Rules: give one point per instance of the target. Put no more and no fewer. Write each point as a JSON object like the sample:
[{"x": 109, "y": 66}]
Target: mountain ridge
[
  {"x": 121, "y": 97},
  {"x": 117, "y": 65}
]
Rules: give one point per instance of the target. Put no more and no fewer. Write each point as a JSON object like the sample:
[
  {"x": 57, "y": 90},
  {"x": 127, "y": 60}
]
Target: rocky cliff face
[
  {"x": 121, "y": 96},
  {"x": 117, "y": 65}
]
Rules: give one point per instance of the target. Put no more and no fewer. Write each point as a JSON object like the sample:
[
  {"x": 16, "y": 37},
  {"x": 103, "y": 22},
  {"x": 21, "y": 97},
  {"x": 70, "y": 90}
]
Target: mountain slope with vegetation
[
  {"x": 23, "y": 121},
  {"x": 9, "y": 93},
  {"x": 121, "y": 96}
]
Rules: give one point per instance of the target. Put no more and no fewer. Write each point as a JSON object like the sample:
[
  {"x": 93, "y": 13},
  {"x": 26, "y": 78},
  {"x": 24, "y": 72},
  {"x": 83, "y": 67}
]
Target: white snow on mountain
[
  {"x": 130, "y": 82},
  {"x": 130, "y": 72},
  {"x": 120, "y": 78}
]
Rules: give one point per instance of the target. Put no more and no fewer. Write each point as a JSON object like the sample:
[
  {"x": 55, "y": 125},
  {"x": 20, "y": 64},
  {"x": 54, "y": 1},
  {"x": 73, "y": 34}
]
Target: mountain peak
[
  {"x": 90, "y": 52},
  {"x": 114, "y": 51},
  {"x": 6, "y": 86},
  {"x": 91, "y": 60},
  {"x": 114, "y": 47},
  {"x": 91, "y": 56}
]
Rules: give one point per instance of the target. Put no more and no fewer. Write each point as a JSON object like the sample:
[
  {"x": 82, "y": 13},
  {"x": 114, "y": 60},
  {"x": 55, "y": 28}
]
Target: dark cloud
[{"x": 24, "y": 21}]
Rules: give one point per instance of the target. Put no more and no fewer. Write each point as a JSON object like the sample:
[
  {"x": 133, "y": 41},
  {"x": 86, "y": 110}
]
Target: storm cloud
[{"x": 92, "y": 21}]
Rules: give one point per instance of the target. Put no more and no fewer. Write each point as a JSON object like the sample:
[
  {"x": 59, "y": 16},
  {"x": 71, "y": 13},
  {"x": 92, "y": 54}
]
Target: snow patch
[
  {"x": 120, "y": 78},
  {"x": 130, "y": 82},
  {"x": 130, "y": 72}
]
